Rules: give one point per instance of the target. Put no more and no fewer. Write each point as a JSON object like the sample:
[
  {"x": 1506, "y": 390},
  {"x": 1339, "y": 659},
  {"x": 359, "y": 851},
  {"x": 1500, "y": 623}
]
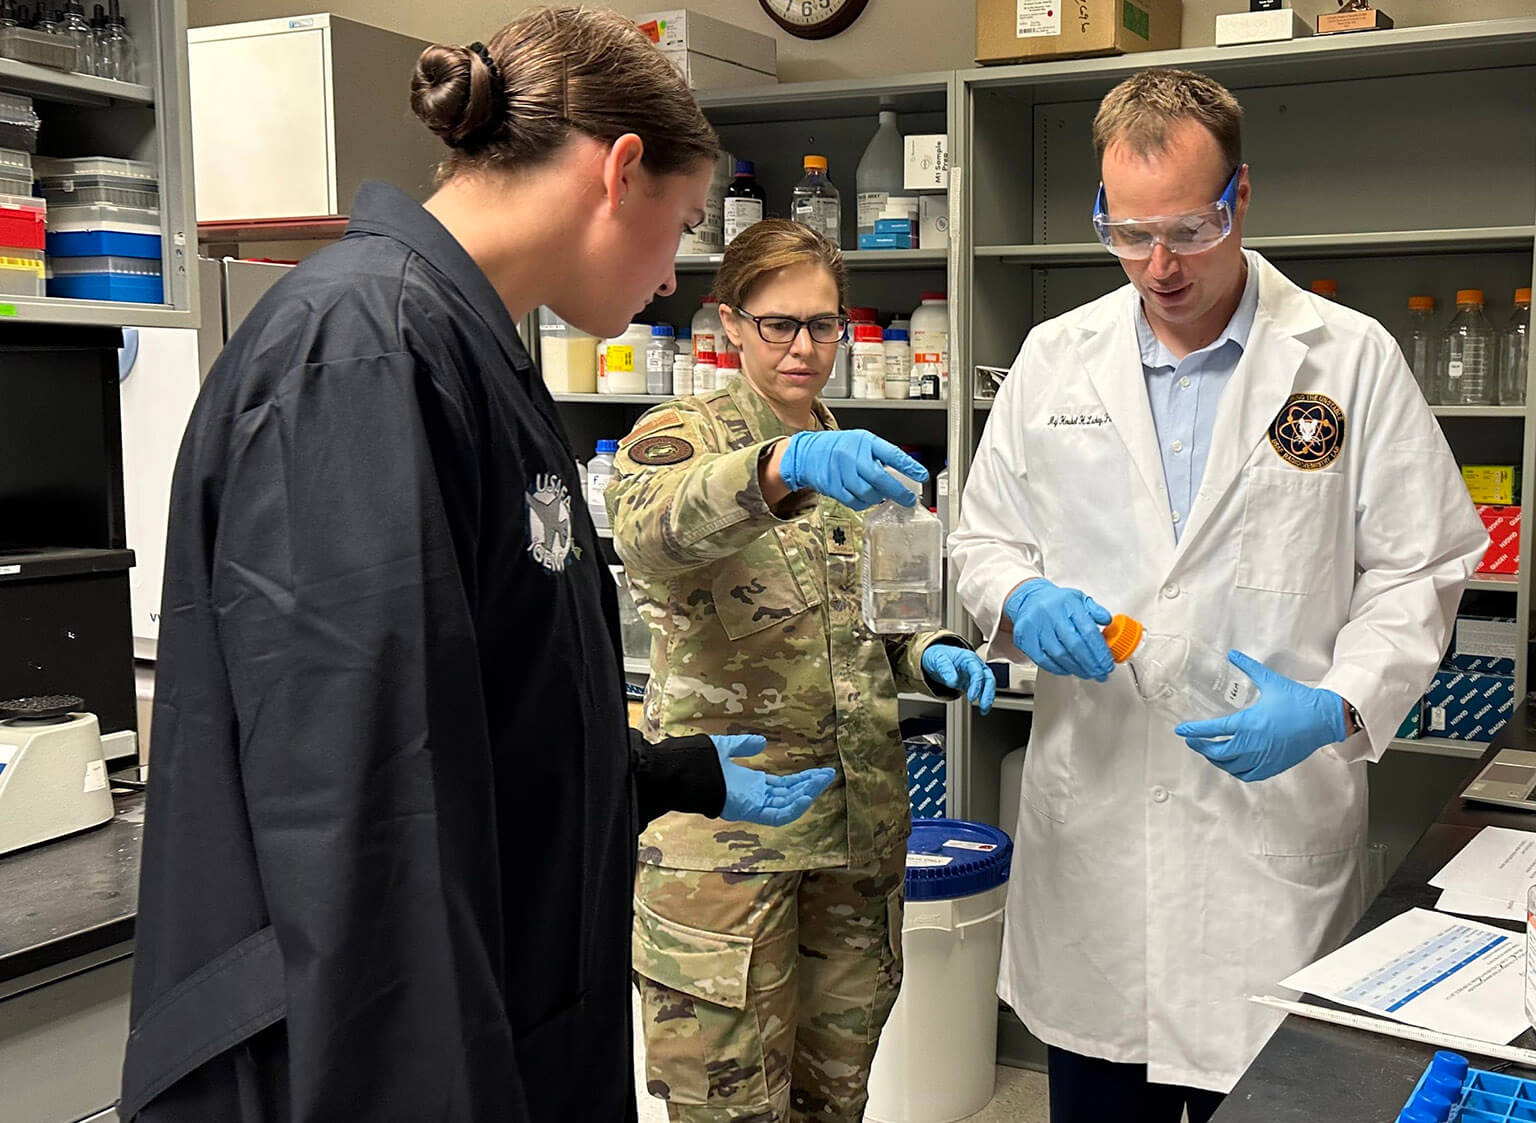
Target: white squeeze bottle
[
  {"x": 1183, "y": 678},
  {"x": 903, "y": 586},
  {"x": 600, "y": 473}
]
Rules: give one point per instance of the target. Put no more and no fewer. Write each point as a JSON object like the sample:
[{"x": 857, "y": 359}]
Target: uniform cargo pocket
[
  {"x": 755, "y": 589},
  {"x": 708, "y": 965}
]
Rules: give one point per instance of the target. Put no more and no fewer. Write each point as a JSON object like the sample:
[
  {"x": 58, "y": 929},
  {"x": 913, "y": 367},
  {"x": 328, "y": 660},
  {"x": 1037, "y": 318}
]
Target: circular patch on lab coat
[
  {"x": 1308, "y": 433},
  {"x": 660, "y": 449}
]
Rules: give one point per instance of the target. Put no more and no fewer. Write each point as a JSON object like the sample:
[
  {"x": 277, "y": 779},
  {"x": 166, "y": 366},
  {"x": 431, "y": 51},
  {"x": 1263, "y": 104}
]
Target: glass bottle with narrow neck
[
  {"x": 903, "y": 588},
  {"x": 1181, "y": 677}
]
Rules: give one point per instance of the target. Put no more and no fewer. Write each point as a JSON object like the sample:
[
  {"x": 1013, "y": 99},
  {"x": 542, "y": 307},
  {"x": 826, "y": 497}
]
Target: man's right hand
[
  {"x": 849, "y": 465},
  {"x": 1059, "y": 629}
]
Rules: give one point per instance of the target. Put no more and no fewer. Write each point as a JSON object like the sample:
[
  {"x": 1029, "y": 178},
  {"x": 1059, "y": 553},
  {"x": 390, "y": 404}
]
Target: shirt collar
[
  {"x": 761, "y": 421},
  {"x": 1155, "y": 354}
]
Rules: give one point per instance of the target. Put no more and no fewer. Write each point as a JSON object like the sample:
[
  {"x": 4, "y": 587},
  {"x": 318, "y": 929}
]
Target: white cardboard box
[
  {"x": 933, "y": 222},
  {"x": 706, "y": 73},
  {"x": 927, "y": 162},
  {"x": 674, "y": 29},
  {"x": 1237, "y": 28}
]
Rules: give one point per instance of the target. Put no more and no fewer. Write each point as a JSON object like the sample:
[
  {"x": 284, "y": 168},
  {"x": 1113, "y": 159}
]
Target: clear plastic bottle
[
  {"x": 840, "y": 385},
  {"x": 117, "y": 53},
  {"x": 881, "y": 174},
  {"x": 600, "y": 474},
  {"x": 727, "y": 368},
  {"x": 930, "y": 333},
  {"x": 1466, "y": 353},
  {"x": 1515, "y": 352},
  {"x": 898, "y": 364},
  {"x": 745, "y": 201},
  {"x": 816, "y": 203},
  {"x": 659, "y": 357},
  {"x": 77, "y": 29},
  {"x": 868, "y": 362},
  {"x": 682, "y": 374},
  {"x": 706, "y": 328},
  {"x": 902, "y": 567},
  {"x": 1419, "y": 346},
  {"x": 1183, "y": 678},
  {"x": 704, "y": 372}
]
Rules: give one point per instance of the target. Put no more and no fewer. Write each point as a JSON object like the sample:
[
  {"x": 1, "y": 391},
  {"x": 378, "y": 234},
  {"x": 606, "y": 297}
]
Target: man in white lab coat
[{"x": 1221, "y": 455}]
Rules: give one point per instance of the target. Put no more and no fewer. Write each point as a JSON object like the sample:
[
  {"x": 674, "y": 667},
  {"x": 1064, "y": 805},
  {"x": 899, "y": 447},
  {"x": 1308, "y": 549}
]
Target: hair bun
[{"x": 453, "y": 92}]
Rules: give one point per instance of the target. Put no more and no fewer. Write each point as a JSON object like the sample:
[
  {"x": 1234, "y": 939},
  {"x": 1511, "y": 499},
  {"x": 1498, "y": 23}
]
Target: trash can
[{"x": 937, "y": 1059}]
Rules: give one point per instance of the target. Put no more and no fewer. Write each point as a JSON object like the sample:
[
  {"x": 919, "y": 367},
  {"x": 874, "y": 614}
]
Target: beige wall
[{"x": 891, "y": 37}]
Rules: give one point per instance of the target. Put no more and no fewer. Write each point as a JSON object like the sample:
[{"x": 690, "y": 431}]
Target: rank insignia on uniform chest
[
  {"x": 660, "y": 450},
  {"x": 1308, "y": 433},
  {"x": 839, "y": 536}
]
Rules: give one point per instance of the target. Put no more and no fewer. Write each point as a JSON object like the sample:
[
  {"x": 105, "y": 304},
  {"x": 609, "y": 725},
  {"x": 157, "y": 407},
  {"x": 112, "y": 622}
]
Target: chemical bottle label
[
  {"x": 1453, "y": 369},
  {"x": 871, "y": 203},
  {"x": 740, "y": 214},
  {"x": 621, "y": 358},
  {"x": 656, "y": 361}
]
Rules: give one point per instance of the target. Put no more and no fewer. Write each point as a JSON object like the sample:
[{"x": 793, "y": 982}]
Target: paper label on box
[
  {"x": 95, "y": 776},
  {"x": 1437, "y": 719},
  {"x": 1038, "y": 19},
  {"x": 928, "y": 860},
  {"x": 1492, "y": 639}
]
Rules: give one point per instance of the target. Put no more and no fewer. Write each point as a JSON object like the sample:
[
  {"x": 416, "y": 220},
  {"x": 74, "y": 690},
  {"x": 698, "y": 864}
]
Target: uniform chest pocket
[
  {"x": 761, "y": 586},
  {"x": 1290, "y": 530}
]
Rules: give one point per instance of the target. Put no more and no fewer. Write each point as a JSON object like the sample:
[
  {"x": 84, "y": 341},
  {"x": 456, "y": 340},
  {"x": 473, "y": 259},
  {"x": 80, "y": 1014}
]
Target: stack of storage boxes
[
  {"x": 1473, "y": 694},
  {"x": 104, "y": 233},
  {"x": 22, "y": 227}
]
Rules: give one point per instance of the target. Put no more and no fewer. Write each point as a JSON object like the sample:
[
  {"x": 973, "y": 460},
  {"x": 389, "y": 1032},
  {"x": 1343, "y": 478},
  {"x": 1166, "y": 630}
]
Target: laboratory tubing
[
  {"x": 1466, "y": 353},
  {"x": 727, "y": 368},
  {"x": 706, "y": 328},
  {"x": 898, "y": 365},
  {"x": 660, "y": 355},
  {"x": 815, "y": 202},
  {"x": 704, "y": 372},
  {"x": 926, "y": 369},
  {"x": 868, "y": 362},
  {"x": 930, "y": 333},
  {"x": 902, "y": 563},
  {"x": 600, "y": 474},
  {"x": 682, "y": 374},
  {"x": 1515, "y": 352},
  {"x": 879, "y": 180},
  {"x": 744, "y": 201},
  {"x": 1419, "y": 346},
  {"x": 624, "y": 360},
  {"x": 1182, "y": 677}
]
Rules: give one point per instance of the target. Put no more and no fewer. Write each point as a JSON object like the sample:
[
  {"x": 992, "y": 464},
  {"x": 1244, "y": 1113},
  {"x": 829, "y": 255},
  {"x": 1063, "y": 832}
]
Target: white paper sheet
[
  {"x": 1498, "y": 863},
  {"x": 1472, "y": 904},
  {"x": 1431, "y": 970}
]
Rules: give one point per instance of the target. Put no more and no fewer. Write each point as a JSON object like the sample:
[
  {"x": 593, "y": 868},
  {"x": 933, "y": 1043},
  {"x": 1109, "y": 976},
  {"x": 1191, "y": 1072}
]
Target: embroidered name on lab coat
[
  {"x": 1308, "y": 432},
  {"x": 1091, "y": 420}
]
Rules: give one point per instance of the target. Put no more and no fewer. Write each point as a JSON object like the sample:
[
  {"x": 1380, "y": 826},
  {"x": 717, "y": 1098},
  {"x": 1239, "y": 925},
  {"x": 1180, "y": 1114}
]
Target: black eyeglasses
[{"x": 784, "y": 329}]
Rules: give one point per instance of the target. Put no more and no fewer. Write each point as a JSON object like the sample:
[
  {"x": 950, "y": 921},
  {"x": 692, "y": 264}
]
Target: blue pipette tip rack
[{"x": 1450, "y": 1089}]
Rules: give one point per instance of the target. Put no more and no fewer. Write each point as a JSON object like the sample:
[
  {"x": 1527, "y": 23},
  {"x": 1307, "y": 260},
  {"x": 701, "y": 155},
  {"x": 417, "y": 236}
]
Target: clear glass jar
[
  {"x": 1515, "y": 352},
  {"x": 1419, "y": 346},
  {"x": 1181, "y": 677},
  {"x": 903, "y": 587},
  {"x": 1467, "y": 354}
]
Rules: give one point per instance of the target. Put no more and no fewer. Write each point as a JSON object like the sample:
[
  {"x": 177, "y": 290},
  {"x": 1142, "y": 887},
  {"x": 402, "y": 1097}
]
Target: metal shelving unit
[{"x": 1441, "y": 746}]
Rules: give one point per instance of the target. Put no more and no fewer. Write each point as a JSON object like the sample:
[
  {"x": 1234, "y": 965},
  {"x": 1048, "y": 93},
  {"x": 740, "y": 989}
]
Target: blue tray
[
  {"x": 103, "y": 243},
  {"x": 109, "y": 286},
  {"x": 1491, "y": 1097}
]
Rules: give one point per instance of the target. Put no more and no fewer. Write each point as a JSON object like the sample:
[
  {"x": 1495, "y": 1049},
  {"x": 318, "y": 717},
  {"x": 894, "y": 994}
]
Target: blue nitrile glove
[
  {"x": 960, "y": 668},
  {"x": 761, "y": 797},
  {"x": 1059, "y": 629},
  {"x": 1288, "y": 723},
  {"x": 849, "y": 465}
]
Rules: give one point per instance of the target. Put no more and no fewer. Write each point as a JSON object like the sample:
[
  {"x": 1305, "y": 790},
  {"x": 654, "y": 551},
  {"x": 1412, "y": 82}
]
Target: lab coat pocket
[
  {"x": 757, "y": 587},
  {"x": 1315, "y": 809},
  {"x": 1290, "y": 525}
]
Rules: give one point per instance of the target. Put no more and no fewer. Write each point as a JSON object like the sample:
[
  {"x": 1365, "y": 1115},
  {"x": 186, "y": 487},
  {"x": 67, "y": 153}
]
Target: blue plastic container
[
  {"x": 952, "y": 858},
  {"x": 104, "y": 243},
  {"x": 1482, "y": 1097},
  {"x": 109, "y": 286}
]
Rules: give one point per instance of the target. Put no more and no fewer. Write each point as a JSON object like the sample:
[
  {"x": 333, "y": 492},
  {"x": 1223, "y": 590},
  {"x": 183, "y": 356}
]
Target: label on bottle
[
  {"x": 621, "y": 358},
  {"x": 597, "y": 483},
  {"x": 741, "y": 213},
  {"x": 871, "y": 203},
  {"x": 868, "y": 374},
  {"x": 682, "y": 378},
  {"x": 703, "y": 343},
  {"x": 1453, "y": 369},
  {"x": 822, "y": 215},
  {"x": 656, "y": 361}
]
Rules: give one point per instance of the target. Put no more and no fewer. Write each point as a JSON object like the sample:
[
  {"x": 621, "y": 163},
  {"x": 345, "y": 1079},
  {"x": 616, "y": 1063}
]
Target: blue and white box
[{"x": 1468, "y": 706}]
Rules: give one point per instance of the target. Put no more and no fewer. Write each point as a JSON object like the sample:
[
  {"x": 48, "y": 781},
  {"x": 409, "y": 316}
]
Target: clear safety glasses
[{"x": 1179, "y": 234}]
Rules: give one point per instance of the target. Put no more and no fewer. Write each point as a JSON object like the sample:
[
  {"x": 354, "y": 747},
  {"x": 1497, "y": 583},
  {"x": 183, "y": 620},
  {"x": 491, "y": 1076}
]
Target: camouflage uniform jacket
[{"x": 756, "y": 627}]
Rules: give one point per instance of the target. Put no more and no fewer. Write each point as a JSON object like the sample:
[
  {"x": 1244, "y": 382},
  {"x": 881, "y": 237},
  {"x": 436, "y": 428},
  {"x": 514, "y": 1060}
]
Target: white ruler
[{"x": 1402, "y": 1030}]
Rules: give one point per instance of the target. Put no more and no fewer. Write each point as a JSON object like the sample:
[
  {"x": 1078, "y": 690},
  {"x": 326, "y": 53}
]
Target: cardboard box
[
  {"x": 705, "y": 73},
  {"x": 933, "y": 222},
  {"x": 1272, "y": 26},
  {"x": 1413, "y": 725},
  {"x": 1503, "y": 525},
  {"x": 679, "y": 29},
  {"x": 1497, "y": 484},
  {"x": 1463, "y": 706},
  {"x": 886, "y": 242},
  {"x": 1372, "y": 19},
  {"x": 1028, "y": 30},
  {"x": 926, "y": 167},
  {"x": 1485, "y": 644}
]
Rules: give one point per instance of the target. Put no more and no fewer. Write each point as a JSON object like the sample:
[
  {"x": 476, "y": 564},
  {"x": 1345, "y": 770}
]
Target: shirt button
[
  {"x": 1171, "y": 590},
  {"x": 1184, "y": 383},
  {"x": 1159, "y": 794},
  {"x": 1178, "y": 446},
  {"x": 1177, "y": 516}
]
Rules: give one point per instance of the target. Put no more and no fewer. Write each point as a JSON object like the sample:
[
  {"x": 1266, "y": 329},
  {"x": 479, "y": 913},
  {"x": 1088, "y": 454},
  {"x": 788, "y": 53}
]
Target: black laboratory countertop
[
  {"x": 1314, "y": 1072},
  {"x": 72, "y": 896}
]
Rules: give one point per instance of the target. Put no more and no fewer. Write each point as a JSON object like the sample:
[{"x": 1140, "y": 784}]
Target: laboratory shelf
[
  {"x": 837, "y": 405},
  {"x": 614, "y": 399},
  {"x": 29, "y": 565},
  {"x": 90, "y": 313},
  {"x": 637, "y": 667},
  {"x": 71, "y": 89},
  {"x": 1379, "y": 243},
  {"x": 1496, "y": 582},
  {"x": 1479, "y": 411},
  {"x": 856, "y": 260},
  {"x": 840, "y": 405},
  {"x": 918, "y": 699},
  {"x": 1440, "y": 746},
  {"x": 809, "y": 101},
  {"x": 1021, "y": 702}
]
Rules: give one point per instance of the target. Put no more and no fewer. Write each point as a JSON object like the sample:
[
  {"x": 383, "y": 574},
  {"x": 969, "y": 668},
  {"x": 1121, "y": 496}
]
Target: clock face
[{"x": 813, "y": 19}]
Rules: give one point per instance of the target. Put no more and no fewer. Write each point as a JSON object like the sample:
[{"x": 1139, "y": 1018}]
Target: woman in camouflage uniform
[{"x": 769, "y": 958}]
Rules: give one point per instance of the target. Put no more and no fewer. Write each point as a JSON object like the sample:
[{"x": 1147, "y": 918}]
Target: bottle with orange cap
[
  {"x": 1466, "y": 353},
  {"x": 1324, "y": 287},
  {"x": 1185, "y": 679},
  {"x": 816, "y": 203},
  {"x": 1419, "y": 346},
  {"x": 1515, "y": 352}
]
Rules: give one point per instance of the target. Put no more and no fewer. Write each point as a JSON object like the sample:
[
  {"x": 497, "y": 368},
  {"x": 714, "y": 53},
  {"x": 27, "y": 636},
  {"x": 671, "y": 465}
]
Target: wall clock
[{"x": 813, "y": 19}]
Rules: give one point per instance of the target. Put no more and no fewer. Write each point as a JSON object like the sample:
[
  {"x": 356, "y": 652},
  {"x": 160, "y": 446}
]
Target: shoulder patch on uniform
[
  {"x": 665, "y": 419},
  {"x": 660, "y": 450},
  {"x": 1308, "y": 432}
]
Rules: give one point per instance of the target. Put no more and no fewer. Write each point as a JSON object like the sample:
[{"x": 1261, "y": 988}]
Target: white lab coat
[{"x": 1152, "y": 892}]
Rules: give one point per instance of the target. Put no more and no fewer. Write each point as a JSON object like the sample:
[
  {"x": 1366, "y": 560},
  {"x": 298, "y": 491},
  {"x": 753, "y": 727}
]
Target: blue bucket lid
[{"x": 949, "y": 858}]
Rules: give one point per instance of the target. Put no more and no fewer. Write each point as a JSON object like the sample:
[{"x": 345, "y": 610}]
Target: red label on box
[
  {"x": 23, "y": 228},
  {"x": 1503, "y": 525}
]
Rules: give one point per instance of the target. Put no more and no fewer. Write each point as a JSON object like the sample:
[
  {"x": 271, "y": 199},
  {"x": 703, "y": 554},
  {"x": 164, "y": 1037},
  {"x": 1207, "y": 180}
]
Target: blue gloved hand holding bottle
[
  {"x": 752, "y": 796},
  {"x": 849, "y": 465},
  {"x": 1060, "y": 629}
]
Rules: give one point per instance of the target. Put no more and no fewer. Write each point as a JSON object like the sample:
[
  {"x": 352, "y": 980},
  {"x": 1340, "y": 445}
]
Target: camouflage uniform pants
[{"x": 763, "y": 995}]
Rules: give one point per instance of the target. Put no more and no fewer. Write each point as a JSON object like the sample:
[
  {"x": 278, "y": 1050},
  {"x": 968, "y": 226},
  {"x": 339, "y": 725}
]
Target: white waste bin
[{"x": 937, "y": 1058}]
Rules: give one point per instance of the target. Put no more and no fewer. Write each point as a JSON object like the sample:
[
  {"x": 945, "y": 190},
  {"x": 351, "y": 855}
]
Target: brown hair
[
  {"x": 1141, "y": 110},
  {"x": 775, "y": 243},
  {"x": 554, "y": 71}
]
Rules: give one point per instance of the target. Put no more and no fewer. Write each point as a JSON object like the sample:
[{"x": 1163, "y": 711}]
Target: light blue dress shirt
[{"x": 1184, "y": 394}]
